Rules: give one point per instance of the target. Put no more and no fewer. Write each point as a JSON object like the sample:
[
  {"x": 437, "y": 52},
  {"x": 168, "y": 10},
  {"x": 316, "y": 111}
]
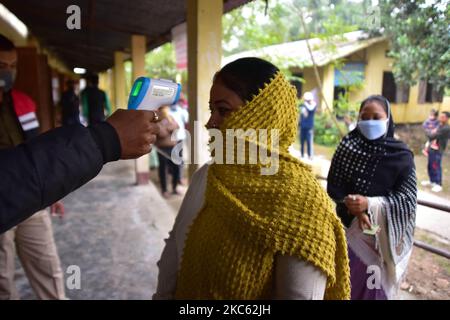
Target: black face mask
[{"x": 7, "y": 78}]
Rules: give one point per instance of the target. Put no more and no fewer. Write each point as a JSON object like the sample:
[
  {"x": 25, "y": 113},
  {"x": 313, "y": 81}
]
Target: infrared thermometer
[{"x": 151, "y": 94}]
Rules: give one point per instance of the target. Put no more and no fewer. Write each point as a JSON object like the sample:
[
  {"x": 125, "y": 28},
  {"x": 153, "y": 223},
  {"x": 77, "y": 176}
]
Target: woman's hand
[
  {"x": 356, "y": 204},
  {"x": 364, "y": 222},
  {"x": 57, "y": 209}
]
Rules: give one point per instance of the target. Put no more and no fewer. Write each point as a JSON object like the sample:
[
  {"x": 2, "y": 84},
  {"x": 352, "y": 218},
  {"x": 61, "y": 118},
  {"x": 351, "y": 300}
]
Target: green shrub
[{"x": 325, "y": 131}]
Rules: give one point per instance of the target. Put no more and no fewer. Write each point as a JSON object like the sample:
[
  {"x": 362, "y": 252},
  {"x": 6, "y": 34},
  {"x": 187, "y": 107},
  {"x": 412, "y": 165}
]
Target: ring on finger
[{"x": 155, "y": 116}]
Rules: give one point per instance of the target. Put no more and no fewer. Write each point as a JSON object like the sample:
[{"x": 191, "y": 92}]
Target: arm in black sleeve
[{"x": 36, "y": 174}]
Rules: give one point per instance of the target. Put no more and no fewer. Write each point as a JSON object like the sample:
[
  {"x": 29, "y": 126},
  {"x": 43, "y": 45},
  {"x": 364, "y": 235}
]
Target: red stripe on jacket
[{"x": 23, "y": 104}]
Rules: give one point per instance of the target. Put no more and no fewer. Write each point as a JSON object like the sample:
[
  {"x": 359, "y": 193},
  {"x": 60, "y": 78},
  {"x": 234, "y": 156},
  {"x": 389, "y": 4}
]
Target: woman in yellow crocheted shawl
[{"x": 246, "y": 233}]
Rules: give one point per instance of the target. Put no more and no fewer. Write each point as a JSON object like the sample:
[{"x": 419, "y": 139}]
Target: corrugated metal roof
[
  {"x": 106, "y": 26},
  {"x": 296, "y": 54}
]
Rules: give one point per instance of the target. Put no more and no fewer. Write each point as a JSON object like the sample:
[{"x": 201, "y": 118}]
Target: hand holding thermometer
[{"x": 151, "y": 94}]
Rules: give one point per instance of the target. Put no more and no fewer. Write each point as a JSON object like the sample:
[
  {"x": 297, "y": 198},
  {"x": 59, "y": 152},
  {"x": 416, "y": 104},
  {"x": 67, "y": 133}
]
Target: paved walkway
[
  {"x": 114, "y": 232},
  {"x": 435, "y": 221}
]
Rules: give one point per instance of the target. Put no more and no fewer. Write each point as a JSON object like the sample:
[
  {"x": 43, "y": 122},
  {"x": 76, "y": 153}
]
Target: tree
[
  {"x": 419, "y": 34},
  {"x": 250, "y": 26},
  {"x": 160, "y": 62}
]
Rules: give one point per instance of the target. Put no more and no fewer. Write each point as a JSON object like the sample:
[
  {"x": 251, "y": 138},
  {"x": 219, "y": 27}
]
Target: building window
[
  {"x": 339, "y": 91},
  {"x": 393, "y": 92},
  {"x": 350, "y": 74},
  {"x": 428, "y": 93}
]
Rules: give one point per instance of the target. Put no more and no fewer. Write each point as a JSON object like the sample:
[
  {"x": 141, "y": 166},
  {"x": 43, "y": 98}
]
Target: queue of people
[
  {"x": 238, "y": 234},
  {"x": 229, "y": 243}
]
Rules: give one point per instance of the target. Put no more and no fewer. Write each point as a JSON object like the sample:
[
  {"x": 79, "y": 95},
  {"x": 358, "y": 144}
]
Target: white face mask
[{"x": 373, "y": 129}]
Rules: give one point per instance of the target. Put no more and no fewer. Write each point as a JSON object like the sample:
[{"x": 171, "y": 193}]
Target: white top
[
  {"x": 294, "y": 278},
  {"x": 374, "y": 250},
  {"x": 181, "y": 117}
]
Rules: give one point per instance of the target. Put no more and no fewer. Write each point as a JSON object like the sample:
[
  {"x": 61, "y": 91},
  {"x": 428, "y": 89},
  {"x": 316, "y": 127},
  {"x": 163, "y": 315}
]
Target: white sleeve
[
  {"x": 296, "y": 279},
  {"x": 170, "y": 258},
  {"x": 186, "y": 116},
  {"x": 168, "y": 269},
  {"x": 374, "y": 209}
]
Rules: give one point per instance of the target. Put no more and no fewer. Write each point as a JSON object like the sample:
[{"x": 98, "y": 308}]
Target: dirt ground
[
  {"x": 421, "y": 169},
  {"x": 428, "y": 275}
]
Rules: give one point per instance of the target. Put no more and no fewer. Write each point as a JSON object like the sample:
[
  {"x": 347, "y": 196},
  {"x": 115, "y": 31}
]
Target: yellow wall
[
  {"x": 377, "y": 63},
  {"x": 326, "y": 76},
  {"x": 119, "y": 81},
  {"x": 413, "y": 112},
  {"x": 106, "y": 83},
  {"x": 310, "y": 80}
]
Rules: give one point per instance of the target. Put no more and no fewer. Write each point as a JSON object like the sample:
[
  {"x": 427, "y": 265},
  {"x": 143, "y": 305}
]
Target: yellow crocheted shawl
[{"x": 248, "y": 218}]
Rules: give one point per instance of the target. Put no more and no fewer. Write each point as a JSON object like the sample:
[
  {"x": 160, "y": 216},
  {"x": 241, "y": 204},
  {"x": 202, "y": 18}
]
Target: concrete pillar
[
  {"x": 119, "y": 81},
  {"x": 138, "y": 50},
  {"x": 204, "y": 29},
  {"x": 106, "y": 83},
  {"x": 102, "y": 81},
  {"x": 111, "y": 85}
]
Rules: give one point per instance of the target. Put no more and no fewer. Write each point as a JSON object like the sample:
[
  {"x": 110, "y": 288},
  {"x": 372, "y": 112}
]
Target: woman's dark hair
[
  {"x": 377, "y": 98},
  {"x": 246, "y": 76}
]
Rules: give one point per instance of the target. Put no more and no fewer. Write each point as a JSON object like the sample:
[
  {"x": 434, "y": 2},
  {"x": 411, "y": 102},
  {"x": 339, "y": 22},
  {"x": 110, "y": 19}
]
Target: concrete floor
[{"x": 114, "y": 232}]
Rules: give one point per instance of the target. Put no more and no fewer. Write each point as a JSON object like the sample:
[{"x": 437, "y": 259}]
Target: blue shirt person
[{"x": 307, "y": 110}]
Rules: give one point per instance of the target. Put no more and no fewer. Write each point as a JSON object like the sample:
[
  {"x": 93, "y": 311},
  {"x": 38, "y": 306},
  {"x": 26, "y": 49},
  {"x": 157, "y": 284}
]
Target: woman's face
[
  {"x": 372, "y": 110},
  {"x": 222, "y": 102}
]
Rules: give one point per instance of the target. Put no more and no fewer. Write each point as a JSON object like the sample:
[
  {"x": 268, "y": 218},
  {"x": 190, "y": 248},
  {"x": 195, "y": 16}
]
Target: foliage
[
  {"x": 420, "y": 36},
  {"x": 161, "y": 63},
  {"x": 248, "y": 27},
  {"x": 325, "y": 131}
]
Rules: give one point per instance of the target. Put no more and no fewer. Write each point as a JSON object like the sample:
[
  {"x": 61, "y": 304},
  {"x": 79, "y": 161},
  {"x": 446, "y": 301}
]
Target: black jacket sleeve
[{"x": 41, "y": 171}]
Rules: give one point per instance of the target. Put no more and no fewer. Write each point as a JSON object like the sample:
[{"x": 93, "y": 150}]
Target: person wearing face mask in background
[
  {"x": 33, "y": 238},
  {"x": 372, "y": 179}
]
